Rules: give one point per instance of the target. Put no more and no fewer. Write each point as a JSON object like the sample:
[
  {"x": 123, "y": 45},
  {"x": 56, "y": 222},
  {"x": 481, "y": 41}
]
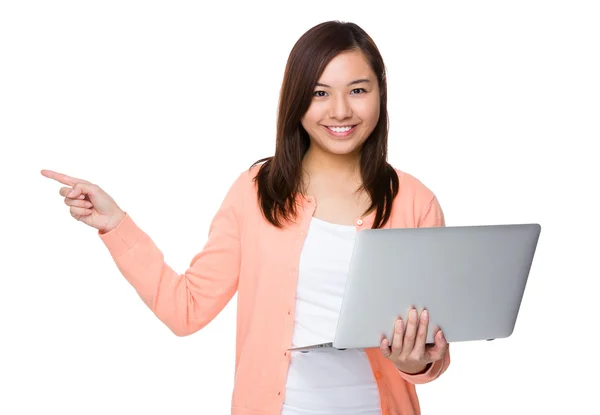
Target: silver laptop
[{"x": 471, "y": 279}]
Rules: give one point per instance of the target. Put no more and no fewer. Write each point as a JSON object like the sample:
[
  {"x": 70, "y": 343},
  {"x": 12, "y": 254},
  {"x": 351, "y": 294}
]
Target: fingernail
[
  {"x": 71, "y": 193},
  {"x": 425, "y": 314}
]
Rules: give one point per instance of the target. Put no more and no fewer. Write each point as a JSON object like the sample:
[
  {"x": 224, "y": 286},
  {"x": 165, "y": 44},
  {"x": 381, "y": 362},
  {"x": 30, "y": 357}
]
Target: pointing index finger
[{"x": 62, "y": 178}]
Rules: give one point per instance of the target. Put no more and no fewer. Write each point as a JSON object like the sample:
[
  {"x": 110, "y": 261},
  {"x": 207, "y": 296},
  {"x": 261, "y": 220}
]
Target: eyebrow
[{"x": 358, "y": 81}]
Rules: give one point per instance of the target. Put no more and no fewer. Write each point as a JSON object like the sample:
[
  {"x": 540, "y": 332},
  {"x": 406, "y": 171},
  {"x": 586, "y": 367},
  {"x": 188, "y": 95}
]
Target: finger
[
  {"x": 421, "y": 339},
  {"x": 80, "y": 189},
  {"x": 77, "y": 203},
  {"x": 62, "y": 178},
  {"x": 385, "y": 347},
  {"x": 78, "y": 212},
  {"x": 397, "y": 339},
  {"x": 65, "y": 190},
  {"x": 410, "y": 333},
  {"x": 438, "y": 350}
]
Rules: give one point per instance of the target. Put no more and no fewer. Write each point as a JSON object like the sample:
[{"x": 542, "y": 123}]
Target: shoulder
[
  {"x": 242, "y": 193},
  {"x": 240, "y": 196},
  {"x": 413, "y": 188},
  {"x": 245, "y": 181},
  {"x": 417, "y": 200}
]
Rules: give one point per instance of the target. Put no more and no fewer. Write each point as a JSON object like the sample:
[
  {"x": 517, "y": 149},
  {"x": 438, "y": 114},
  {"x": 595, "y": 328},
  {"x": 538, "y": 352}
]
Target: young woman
[{"x": 282, "y": 240}]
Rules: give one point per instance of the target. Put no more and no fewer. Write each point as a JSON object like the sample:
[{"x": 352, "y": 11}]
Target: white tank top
[{"x": 333, "y": 381}]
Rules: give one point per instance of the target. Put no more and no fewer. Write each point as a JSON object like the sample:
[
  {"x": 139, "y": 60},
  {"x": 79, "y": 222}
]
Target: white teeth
[{"x": 340, "y": 129}]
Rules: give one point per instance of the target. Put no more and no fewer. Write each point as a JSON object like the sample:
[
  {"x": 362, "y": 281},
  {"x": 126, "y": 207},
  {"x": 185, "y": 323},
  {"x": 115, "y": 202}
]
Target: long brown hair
[{"x": 279, "y": 179}]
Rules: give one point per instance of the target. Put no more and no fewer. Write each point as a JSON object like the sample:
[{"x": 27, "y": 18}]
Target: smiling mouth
[{"x": 340, "y": 130}]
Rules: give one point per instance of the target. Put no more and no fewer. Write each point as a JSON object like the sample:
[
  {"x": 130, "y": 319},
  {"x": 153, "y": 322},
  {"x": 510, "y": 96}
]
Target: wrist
[
  {"x": 412, "y": 369},
  {"x": 114, "y": 223}
]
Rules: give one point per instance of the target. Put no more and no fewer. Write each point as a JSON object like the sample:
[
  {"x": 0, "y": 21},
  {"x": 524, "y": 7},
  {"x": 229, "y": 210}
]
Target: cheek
[
  {"x": 374, "y": 111},
  {"x": 311, "y": 117},
  {"x": 367, "y": 105},
  {"x": 369, "y": 113}
]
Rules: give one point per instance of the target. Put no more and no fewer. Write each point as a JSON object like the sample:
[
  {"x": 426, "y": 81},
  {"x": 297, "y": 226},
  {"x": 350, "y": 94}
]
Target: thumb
[{"x": 437, "y": 351}]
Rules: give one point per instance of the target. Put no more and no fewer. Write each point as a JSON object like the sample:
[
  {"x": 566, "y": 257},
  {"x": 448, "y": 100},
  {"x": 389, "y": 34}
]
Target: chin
[{"x": 341, "y": 148}]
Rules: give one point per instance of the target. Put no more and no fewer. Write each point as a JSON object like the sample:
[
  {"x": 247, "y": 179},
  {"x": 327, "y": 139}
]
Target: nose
[{"x": 340, "y": 108}]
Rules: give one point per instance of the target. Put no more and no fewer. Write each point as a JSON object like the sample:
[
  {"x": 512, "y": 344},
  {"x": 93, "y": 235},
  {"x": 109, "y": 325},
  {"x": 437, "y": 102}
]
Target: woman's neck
[{"x": 320, "y": 163}]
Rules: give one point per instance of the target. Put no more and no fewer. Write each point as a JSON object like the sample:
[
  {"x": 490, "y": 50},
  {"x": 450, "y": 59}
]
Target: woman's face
[{"x": 345, "y": 105}]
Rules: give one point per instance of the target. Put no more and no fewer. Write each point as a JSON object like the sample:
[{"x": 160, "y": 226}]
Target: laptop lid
[{"x": 471, "y": 279}]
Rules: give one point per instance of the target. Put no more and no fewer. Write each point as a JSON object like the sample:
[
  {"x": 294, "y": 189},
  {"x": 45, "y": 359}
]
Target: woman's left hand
[{"x": 409, "y": 351}]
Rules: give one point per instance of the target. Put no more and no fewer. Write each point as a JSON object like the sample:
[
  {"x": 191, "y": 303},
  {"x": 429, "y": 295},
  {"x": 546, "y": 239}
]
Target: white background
[{"x": 493, "y": 105}]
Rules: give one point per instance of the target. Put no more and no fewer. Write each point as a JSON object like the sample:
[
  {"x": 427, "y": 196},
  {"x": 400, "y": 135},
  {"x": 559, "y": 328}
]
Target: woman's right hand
[{"x": 89, "y": 203}]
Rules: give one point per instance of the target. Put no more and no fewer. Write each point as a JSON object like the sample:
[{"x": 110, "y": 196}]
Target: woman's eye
[
  {"x": 319, "y": 93},
  {"x": 358, "y": 90}
]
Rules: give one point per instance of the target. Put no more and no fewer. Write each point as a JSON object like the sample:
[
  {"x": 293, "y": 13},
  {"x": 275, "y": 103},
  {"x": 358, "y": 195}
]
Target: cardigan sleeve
[{"x": 185, "y": 302}]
